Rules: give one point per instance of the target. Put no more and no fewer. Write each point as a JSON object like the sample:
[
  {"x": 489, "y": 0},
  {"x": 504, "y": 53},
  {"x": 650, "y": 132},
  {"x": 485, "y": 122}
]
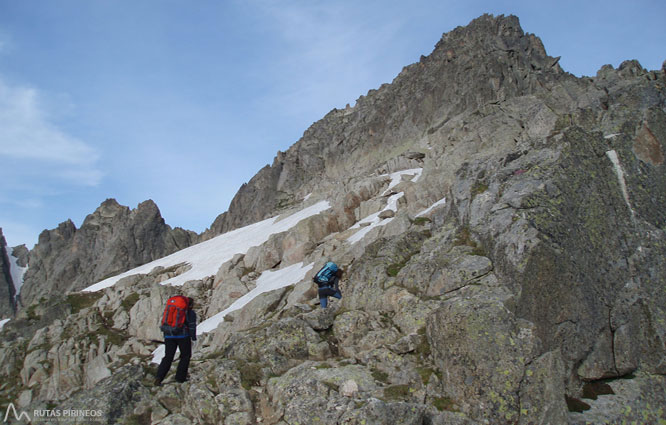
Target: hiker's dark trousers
[
  {"x": 185, "y": 347},
  {"x": 330, "y": 290}
]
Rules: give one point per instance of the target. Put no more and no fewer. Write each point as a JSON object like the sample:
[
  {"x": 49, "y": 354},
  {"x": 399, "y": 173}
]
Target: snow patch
[
  {"x": 206, "y": 258},
  {"x": 2, "y": 323},
  {"x": 432, "y": 207},
  {"x": 619, "y": 171},
  {"x": 373, "y": 220},
  {"x": 17, "y": 272},
  {"x": 396, "y": 178},
  {"x": 268, "y": 281}
]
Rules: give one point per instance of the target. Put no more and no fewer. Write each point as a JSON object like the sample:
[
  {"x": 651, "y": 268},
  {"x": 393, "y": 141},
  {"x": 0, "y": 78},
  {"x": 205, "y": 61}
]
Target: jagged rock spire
[{"x": 111, "y": 240}]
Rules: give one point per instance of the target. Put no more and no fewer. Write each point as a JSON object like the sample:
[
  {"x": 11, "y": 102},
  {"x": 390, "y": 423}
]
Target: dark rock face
[
  {"x": 7, "y": 290},
  {"x": 594, "y": 254},
  {"x": 111, "y": 240}
]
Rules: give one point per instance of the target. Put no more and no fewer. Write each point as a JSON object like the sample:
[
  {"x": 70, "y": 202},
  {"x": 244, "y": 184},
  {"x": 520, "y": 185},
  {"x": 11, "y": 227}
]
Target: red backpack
[{"x": 173, "y": 318}]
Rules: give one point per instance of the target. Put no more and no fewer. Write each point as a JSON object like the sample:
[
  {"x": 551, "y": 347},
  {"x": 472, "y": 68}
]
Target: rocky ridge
[
  {"x": 533, "y": 294},
  {"x": 465, "y": 72},
  {"x": 111, "y": 240}
]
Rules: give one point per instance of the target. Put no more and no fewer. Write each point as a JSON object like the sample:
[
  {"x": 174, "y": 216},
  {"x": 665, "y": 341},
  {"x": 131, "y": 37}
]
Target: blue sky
[{"x": 183, "y": 101}]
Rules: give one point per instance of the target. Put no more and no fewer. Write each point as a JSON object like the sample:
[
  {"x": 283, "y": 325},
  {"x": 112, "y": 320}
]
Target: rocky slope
[
  {"x": 532, "y": 294},
  {"x": 486, "y": 62},
  {"x": 111, "y": 240}
]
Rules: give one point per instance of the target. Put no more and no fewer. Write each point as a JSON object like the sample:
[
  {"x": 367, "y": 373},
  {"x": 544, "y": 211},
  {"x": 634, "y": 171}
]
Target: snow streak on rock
[{"x": 207, "y": 257}]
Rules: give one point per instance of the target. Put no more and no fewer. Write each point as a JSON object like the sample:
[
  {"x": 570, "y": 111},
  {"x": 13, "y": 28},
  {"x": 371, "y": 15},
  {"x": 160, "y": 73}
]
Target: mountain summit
[
  {"x": 501, "y": 224},
  {"x": 489, "y": 61}
]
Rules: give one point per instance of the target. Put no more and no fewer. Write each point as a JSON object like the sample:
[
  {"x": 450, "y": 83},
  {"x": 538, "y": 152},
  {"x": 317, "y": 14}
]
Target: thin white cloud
[
  {"x": 28, "y": 138},
  {"x": 330, "y": 53},
  {"x": 28, "y": 203}
]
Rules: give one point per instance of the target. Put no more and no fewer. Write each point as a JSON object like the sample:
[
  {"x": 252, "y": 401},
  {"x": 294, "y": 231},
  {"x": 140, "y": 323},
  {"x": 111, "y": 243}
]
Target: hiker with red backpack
[
  {"x": 179, "y": 325},
  {"x": 328, "y": 280}
]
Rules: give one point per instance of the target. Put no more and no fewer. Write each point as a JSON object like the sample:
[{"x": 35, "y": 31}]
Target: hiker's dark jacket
[
  {"x": 189, "y": 329},
  {"x": 330, "y": 288}
]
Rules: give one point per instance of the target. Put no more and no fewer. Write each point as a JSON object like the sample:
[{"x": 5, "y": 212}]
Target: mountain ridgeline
[
  {"x": 466, "y": 71},
  {"x": 513, "y": 274}
]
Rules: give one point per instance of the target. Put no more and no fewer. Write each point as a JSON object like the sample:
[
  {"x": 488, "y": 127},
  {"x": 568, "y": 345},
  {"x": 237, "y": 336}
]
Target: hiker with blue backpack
[
  {"x": 179, "y": 326},
  {"x": 328, "y": 281}
]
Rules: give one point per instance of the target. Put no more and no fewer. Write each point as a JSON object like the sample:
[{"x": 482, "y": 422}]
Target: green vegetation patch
[
  {"x": 479, "y": 188},
  {"x": 360, "y": 403},
  {"x": 394, "y": 269},
  {"x": 250, "y": 372},
  {"x": 425, "y": 373},
  {"x": 32, "y": 314},
  {"x": 112, "y": 336},
  {"x": 11, "y": 386},
  {"x": 444, "y": 404},
  {"x": 130, "y": 300},
  {"x": 81, "y": 300},
  {"x": 398, "y": 392},
  {"x": 464, "y": 238},
  {"x": 421, "y": 221},
  {"x": 380, "y": 376},
  {"x": 423, "y": 348}
]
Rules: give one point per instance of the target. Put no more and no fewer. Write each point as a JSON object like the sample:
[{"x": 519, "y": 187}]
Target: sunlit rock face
[{"x": 501, "y": 226}]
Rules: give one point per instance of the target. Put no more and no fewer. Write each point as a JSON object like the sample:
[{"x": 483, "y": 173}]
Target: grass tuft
[
  {"x": 129, "y": 301},
  {"x": 81, "y": 300},
  {"x": 250, "y": 372},
  {"x": 444, "y": 404},
  {"x": 397, "y": 392}
]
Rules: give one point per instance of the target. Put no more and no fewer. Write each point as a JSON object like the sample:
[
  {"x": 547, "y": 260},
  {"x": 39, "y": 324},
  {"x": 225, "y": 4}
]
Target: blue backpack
[{"x": 326, "y": 274}]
